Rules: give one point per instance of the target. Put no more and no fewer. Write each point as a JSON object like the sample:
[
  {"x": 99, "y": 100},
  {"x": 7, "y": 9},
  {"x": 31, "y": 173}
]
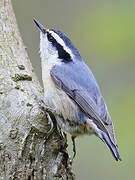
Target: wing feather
[{"x": 79, "y": 84}]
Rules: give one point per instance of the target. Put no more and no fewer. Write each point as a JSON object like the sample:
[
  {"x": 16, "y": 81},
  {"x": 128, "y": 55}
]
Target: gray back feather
[{"x": 76, "y": 79}]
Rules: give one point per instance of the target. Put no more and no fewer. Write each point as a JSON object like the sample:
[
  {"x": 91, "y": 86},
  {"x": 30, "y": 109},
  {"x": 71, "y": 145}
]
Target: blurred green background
[{"x": 104, "y": 33}]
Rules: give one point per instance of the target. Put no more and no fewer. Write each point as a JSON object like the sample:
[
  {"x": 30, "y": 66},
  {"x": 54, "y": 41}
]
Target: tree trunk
[{"x": 25, "y": 150}]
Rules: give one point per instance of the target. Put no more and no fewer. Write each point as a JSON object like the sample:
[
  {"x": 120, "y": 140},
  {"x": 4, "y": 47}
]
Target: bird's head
[{"x": 55, "y": 46}]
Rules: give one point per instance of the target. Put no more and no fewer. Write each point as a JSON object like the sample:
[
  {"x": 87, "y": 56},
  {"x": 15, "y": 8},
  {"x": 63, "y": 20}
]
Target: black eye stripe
[
  {"x": 61, "y": 52},
  {"x": 50, "y": 37}
]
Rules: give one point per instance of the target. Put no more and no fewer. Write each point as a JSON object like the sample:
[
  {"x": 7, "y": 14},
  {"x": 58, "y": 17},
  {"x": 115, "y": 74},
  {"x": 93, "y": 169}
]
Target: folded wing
[{"x": 78, "y": 82}]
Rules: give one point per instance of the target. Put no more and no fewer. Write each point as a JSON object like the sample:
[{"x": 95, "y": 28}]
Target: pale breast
[{"x": 56, "y": 98}]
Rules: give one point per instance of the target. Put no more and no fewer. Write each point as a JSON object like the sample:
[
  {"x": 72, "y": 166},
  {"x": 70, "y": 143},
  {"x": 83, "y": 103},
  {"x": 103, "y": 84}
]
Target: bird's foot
[{"x": 42, "y": 104}]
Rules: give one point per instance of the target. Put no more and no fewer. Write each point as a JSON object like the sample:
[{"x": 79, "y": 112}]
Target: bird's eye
[{"x": 50, "y": 38}]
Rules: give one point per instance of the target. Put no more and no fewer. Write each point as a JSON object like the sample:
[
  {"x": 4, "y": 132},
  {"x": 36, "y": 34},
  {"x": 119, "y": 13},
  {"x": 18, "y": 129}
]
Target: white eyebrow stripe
[{"x": 61, "y": 42}]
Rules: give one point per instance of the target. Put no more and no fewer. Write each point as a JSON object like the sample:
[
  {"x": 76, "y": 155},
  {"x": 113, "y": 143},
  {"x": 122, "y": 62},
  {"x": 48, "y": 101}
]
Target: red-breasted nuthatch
[{"x": 71, "y": 89}]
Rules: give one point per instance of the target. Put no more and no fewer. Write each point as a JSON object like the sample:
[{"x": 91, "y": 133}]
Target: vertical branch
[{"x": 25, "y": 153}]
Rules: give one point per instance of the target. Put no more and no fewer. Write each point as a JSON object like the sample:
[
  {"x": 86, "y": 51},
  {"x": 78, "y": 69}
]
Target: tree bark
[{"x": 25, "y": 151}]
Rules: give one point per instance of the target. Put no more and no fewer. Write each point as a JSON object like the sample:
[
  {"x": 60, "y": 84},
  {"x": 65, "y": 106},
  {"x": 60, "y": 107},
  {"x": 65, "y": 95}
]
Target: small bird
[{"x": 72, "y": 91}]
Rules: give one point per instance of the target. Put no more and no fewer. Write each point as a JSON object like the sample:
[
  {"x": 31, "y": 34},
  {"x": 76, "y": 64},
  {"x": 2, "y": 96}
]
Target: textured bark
[{"x": 25, "y": 152}]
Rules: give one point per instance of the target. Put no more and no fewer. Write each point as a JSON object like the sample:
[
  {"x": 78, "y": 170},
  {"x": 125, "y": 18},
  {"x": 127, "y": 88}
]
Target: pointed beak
[{"x": 40, "y": 26}]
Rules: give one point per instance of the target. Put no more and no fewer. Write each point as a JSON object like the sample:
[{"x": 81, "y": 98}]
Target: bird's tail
[{"x": 112, "y": 147}]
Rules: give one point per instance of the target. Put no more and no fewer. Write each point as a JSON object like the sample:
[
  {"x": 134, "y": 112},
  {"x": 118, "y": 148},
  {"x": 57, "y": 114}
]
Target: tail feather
[{"x": 111, "y": 146}]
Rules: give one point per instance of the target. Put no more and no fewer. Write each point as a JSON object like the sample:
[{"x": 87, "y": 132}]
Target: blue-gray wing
[{"x": 78, "y": 82}]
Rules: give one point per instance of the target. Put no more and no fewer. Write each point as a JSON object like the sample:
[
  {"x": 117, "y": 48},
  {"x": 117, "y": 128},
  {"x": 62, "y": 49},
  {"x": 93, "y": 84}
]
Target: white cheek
[
  {"x": 51, "y": 49},
  {"x": 48, "y": 53}
]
